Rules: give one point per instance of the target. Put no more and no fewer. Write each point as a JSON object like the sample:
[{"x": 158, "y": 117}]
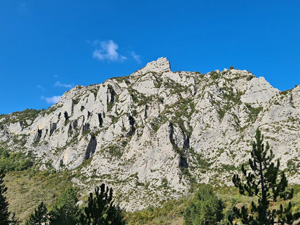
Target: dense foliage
[
  {"x": 65, "y": 210},
  {"x": 101, "y": 210},
  {"x": 16, "y": 161},
  {"x": 39, "y": 216},
  {"x": 4, "y": 213},
  {"x": 205, "y": 208}
]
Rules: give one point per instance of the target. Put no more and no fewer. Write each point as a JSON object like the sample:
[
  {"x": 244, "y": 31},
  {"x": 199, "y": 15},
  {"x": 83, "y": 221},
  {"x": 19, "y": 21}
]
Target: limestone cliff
[{"x": 150, "y": 134}]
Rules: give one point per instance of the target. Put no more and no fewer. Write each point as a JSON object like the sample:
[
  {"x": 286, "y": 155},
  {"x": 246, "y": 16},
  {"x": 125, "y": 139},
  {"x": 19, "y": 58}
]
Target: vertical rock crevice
[
  {"x": 111, "y": 96},
  {"x": 85, "y": 127},
  {"x": 38, "y": 135},
  {"x": 91, "y": 148},
  {"x": 146, "y": 111},
  {"x": 66, "y": 116},
  {"x": 53, "y": 127},
  {"x": 74, "y": 124},
  {"x": 182, "y": 152},
  {"x": 100, "y": 119},
  {"x": 132, "y": 128}
]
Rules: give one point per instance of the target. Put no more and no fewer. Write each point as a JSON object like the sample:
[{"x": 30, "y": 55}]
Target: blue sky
[{"x": 49, "y": 46}]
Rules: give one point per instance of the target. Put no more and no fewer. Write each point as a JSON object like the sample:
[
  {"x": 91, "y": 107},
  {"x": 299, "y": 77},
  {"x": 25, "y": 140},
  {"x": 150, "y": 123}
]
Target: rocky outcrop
[{"x": 153, "y": 133}]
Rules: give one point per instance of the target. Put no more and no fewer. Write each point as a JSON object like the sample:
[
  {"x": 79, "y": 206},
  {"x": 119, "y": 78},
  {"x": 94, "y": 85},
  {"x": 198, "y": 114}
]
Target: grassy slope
[
  {"x": 171, "y": 213},
  {"x": 26, "y": 189}
]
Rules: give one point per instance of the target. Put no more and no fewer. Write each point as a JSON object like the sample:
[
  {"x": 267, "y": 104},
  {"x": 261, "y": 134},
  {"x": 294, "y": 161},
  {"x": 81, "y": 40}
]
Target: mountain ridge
[{"x": 154, "y": 133}]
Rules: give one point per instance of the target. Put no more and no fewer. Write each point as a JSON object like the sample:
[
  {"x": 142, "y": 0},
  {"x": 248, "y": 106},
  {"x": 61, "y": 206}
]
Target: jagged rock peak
[{"x": 161, "y": 65}]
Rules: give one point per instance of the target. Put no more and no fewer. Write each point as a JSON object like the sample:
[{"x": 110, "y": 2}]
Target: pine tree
[
  {"x": 264, "y": 182},
  {"x": 4, "y": 213},
  {"x": 101, "y": 210},
  {"x": 39, "y": 216},
  {"x": 65, "y": 211}
]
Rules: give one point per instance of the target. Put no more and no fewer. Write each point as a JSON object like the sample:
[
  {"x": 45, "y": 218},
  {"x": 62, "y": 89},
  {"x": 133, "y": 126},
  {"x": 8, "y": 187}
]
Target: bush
[
  {"x": 14, "y": 161},
  {"x": 205, "y": 208}
]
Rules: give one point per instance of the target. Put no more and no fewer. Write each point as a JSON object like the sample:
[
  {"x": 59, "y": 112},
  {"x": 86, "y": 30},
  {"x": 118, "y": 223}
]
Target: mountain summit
[
  {"x": 159, "y": 66},
  {"x": 152, "y": 134}
]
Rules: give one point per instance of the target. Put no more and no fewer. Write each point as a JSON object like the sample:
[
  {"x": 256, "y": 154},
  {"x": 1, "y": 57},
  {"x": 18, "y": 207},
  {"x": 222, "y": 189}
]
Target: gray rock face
[{"x": 153, "y": 133}]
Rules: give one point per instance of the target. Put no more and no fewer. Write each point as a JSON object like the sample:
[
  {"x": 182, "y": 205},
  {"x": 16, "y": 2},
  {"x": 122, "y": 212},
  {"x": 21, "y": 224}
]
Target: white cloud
[
  {"x": 136, "y": 57},
  {"x": 58, "y": 84},
  {"x": 51, "y": 100},
  {"x": 108, "y": 51}
]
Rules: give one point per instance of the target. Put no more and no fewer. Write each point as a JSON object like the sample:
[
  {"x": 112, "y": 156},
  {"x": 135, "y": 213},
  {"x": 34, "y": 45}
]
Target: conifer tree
[
  {"x": 39, "y": 216},
  {"x": 101, "y": 210},
  {"x": 65, "y": 211},
  {"x": 4, "y": 213},
  {"x": 266, "y": 182}
]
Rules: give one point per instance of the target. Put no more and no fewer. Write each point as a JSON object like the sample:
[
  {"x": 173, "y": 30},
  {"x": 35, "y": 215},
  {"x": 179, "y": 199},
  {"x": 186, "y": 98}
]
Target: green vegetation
[
  {"x": 175, "y": 88},
  {"x": 114, "y": 151},
  {"x": 114, "y": 97},
  {"x": 139, "y": 98},
  {"x": 201, "y": 162},
  {"x": 26, "y": 189},
  {"x": 101, "y": 210},
  {"x": 22, "y": 116},
  {"x": 39, "y": 216},
  {"x": 65, "y": 210},
  {"x": 50, "y": 109},
  {"x": 232, "y": 98},
  {"x": 170, "y": 211},
  {"x": 125, "y": 79},
  {"x": 253, "y": 112},
  {"x": 4, "y": 213},
  {"x": 214, "y": 75},
  {"x": 157, "y": 122},
  {"x": 264, "y": 182},
  {"x": 17, "y": 161},
  {"x": 204, "y": 208},
  {"x": 250, "y": 77}
]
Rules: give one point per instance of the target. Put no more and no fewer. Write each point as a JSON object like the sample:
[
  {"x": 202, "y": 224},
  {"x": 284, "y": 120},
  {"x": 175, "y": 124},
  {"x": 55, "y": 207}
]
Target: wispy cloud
[
  {"x": 59, "y": 84},
  {"x": 108, "y": 52},
  {"x": 136, "y": 57},
  {"x": 40, "y": 87},
  {"x": 51, "y": 100}
]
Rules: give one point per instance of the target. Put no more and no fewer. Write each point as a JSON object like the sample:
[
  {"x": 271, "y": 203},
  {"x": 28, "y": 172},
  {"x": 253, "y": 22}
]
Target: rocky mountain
[{"x": 153, "y": 133}]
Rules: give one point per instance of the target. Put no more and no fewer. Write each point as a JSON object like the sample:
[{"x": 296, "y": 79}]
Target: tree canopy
[
  {"x": 101, "y": 209},
  {"x": 205, "y": 208}
]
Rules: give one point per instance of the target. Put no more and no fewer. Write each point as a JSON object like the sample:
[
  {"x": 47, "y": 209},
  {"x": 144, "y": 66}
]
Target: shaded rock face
[
  {"x": 91, "y": 148},
  {"x": 154, "y": 132}
]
